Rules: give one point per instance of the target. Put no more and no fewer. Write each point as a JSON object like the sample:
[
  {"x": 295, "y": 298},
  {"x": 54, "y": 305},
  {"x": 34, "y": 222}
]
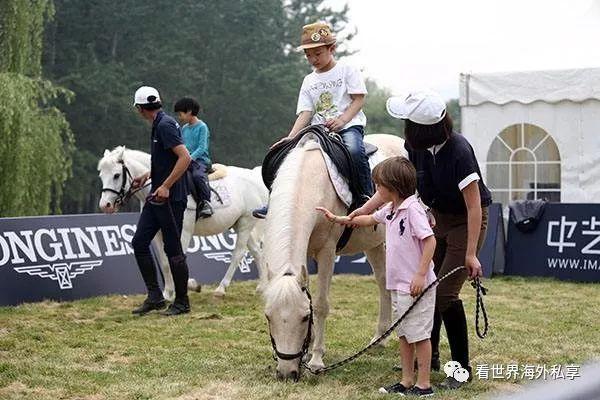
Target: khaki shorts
[{"x": 416, "y": 326}]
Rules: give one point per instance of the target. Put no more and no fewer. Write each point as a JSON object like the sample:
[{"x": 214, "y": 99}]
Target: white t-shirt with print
[{"x": 327, "y": 94}]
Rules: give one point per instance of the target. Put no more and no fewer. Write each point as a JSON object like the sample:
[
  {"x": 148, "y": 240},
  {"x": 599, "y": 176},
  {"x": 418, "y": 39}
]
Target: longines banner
[
  {"x": 77, "y": 256},
  {"x": 565, "y": 244}
]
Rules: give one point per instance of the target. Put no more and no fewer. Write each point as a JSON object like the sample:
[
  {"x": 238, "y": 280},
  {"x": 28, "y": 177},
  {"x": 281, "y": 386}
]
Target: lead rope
[{"x": 481, "y": 291}]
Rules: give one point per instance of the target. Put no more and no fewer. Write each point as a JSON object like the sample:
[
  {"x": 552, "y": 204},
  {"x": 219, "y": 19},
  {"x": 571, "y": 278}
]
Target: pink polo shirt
[{"x": 405, "y": 230}]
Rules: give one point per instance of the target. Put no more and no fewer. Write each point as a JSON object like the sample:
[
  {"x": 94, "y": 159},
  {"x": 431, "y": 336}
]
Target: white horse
[
  {"x": 295, "y": 230},
  {"x": 246, "y": 192}
]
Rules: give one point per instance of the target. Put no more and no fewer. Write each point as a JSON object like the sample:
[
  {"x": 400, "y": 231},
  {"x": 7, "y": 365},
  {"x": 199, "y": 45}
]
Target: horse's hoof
[
  {"x": 219, "y": 293},
  {"x": 169, "y": 295},
  {"x": 194, "y": 286}
]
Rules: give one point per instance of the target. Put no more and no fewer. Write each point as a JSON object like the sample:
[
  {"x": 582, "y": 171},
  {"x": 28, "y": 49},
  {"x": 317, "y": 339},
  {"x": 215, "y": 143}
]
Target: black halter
[
  {"x": 305, "y": 345},
  {"x": 122, "y": 195}
]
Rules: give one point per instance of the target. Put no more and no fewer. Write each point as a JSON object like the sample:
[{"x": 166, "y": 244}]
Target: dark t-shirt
[
  {"x": 166, "y": 135},
  {"x": 439, "y": 175}
]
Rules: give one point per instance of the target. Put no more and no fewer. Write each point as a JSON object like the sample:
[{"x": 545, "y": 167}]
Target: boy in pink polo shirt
[{"x": 410, "y": 244}]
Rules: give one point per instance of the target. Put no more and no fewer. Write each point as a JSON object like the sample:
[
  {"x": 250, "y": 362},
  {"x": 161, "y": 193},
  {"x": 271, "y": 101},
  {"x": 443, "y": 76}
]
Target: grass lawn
[{"x": 95, "y": 349}]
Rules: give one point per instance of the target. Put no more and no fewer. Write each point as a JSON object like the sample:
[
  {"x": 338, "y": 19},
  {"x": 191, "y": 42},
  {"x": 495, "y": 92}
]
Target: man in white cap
[
  {"x": 449, "y": 181},
  {"x": 164, "y": 207}
]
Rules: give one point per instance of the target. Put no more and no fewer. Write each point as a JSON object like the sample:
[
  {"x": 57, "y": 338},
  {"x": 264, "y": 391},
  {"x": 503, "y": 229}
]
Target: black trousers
[
  {"x": 198, "y": 172},
  {"x": 167, "y": 217}
]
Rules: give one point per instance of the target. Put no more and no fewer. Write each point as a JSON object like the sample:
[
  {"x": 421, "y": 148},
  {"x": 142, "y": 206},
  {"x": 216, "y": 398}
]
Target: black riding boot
[
  {"x": 455, "y": 322},
  {"x": 155, "y": 299},
  {"x": 180, "y": 273},
  {"x": 435, "y": 340}
]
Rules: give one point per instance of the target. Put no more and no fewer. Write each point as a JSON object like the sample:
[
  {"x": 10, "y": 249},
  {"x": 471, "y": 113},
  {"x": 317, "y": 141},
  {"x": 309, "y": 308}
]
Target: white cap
[
  {"x": 146, "y": 95},
  {"x": 423, "y": 107}
]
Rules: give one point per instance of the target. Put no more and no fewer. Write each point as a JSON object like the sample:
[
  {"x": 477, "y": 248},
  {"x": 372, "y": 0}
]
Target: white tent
[{"x": 535, "y": 134}]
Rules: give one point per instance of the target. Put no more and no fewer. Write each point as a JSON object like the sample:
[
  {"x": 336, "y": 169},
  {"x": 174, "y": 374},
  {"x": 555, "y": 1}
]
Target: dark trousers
[
  {"x": 167, "y": 217},
  {"x": 197, "y": 169},
  {"x": 353, "y": 139},
  {"x": 450, "y": 251}
]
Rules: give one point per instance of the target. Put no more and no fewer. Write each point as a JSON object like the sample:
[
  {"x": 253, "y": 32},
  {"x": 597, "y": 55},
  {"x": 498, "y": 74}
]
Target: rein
[{"x": 476, "y": 283}]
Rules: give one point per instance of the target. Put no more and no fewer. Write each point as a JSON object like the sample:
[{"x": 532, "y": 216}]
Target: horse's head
[
  {"x": 288, "y": 309},
  {"x": 115, "y": 179}
]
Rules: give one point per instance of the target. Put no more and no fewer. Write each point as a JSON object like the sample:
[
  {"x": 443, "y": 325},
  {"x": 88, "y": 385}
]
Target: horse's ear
[
  {"x": 120, "y": 153},
  {"x": 303, "y": 276},
  {"x": 106, "y": 152}
]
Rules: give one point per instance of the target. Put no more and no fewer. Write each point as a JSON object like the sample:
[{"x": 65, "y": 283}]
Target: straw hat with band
[{"x": 315, "y": 35}]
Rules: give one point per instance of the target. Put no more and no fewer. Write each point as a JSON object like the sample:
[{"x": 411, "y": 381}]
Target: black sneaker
[
  {"x": 176, "y": 309},
  {"x": 417, "y": 391},
  {"x": 148, "y": 306},
  {"x": 204, "y": 210},
  {"x": 395, "y": 388},
  {"x": 260, "y": 213}
]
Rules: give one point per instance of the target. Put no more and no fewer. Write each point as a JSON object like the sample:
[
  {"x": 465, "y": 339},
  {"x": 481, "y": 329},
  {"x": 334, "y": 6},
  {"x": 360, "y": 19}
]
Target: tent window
[{"x": 523, "y": 162}]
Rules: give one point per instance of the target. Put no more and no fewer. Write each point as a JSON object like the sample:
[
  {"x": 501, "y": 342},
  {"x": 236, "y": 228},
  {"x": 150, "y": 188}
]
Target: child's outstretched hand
[
  {"x": 417, "y": 284},
  {"x": 332, "y": 217}
]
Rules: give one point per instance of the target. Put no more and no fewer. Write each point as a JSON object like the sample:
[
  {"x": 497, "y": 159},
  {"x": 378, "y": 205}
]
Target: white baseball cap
[
  {"x": 424, "y": 107},
  {"x": 146, "y": 95}
]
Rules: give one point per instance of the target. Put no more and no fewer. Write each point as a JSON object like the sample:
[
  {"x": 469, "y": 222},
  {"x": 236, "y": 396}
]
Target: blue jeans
[
  {"x": 353, "y": 139},
  {"x": 200, "y": 180}
]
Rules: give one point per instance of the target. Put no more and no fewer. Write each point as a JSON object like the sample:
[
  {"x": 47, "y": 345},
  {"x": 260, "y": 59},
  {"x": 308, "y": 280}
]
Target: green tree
[
  {"x": 236, "y": 57},
  {"x": 35, "y": 139},
  {"x": 378, "y": 119}
]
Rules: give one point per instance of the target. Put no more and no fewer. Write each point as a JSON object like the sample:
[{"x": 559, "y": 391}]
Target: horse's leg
[
  {"x": 325, "y": 260},
  {"x": 163, "y": 261},
  {"x": 376, "y": 257},
  {"x": 242, "y": 227},
  {"x": 187, "y": 231},
  {"x": 254, "y": 246}
]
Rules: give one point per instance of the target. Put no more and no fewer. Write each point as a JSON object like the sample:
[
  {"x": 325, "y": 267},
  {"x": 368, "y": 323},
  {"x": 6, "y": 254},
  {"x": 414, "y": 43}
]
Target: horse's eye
[
  {"x": 305, "y": 318},
  {"x": 116, "y": 176}
]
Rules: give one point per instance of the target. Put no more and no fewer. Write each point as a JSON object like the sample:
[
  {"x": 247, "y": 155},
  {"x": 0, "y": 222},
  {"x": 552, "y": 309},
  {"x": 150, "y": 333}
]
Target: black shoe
[
  {"x": 176, "y": 309},
  {"x": 417, "y": 391},
  {"x": 395, "y": 388},
  {"x": 204, "y": 210},
  {"x": 148, "y": 306},
  {"x": 451, "y": 384},
  {"x": 260, "y": 213}
]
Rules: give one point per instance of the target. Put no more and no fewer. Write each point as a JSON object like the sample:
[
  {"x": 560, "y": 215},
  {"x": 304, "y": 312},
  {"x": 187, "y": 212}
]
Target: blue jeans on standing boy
[{"x": 353, "y": 139}]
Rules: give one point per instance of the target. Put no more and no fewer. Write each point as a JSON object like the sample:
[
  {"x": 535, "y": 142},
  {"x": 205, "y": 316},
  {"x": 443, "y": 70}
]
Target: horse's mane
[
  {"x": 283, "y": 192},
  {"x": 122, "y": 153}
]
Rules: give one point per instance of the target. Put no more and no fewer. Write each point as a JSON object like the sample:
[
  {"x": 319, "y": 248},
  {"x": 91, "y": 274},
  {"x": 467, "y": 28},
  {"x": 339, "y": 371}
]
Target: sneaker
[
  {"x": 417, "y": 391},
  {"x": 260, "y": 213},
  {"x": 176, "y": 309},
  {"x": 395, "y": 388},
  {"x": 204, "y": 210},
  {"x": 148, "y": 306}
]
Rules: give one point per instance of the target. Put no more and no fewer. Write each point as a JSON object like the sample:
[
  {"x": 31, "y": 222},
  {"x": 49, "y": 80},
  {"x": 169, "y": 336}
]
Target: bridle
[
  {"x": 299, "y": 355},
  {"x": 123, "y": 195}
]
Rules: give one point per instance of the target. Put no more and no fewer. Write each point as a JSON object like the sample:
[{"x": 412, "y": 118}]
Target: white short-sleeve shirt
[{"x": 327, "y": 94}]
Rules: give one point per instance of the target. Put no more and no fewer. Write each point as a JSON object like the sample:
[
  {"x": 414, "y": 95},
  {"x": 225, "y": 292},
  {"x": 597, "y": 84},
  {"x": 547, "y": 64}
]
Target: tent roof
[{"x": 525, "y": 87}]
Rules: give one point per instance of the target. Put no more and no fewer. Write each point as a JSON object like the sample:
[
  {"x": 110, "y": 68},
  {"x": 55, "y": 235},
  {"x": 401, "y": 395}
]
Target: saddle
[
  {"x": 216, "y": 171},
  {"x": 332, "y": 144}
]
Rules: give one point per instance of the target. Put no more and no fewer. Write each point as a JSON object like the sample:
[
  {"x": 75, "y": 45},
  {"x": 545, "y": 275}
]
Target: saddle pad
[
  {"x": 223, "y": 199},
  {"x": 340, "y": 183}
]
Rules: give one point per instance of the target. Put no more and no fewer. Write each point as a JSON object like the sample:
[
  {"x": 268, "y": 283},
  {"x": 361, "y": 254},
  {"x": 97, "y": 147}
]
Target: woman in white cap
[{"x": 449, "y": 182}]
